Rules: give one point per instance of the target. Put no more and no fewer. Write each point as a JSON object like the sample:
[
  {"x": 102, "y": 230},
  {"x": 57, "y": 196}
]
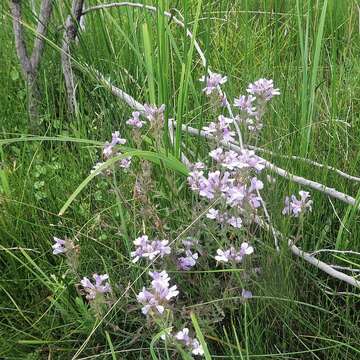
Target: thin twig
[{"x": 311, "y": 162}]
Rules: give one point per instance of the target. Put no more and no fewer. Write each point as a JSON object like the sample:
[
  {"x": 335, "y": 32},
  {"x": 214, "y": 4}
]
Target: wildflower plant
[{"x": 228, "y": 191}]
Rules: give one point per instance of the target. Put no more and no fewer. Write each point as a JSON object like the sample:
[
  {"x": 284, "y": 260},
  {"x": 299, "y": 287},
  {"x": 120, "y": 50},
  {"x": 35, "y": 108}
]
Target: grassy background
[{"x": 310, "y": 49}]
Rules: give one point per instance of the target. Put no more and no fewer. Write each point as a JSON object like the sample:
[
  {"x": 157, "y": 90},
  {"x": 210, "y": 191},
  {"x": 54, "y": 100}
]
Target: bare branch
[
  {"x": 15, "y": 8},
  {"x": 311, "y": 162},
  {"x": 43, "y": 22},
  {"x": 30, "y": 66},
  {"x": 323, "y": 266},
  {"x": 71, "y": 29}
]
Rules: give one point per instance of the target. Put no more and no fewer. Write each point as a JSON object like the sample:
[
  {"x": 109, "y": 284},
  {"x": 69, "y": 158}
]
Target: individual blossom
[
  {"x": 108, "y": 150},
  {"x": 245, "y": 104},
  {"x": 157, "y": 297},
  {"x": 125, "y": 163},
  {"x": 224, "y": 218},
  {"x": 149, "y": 249},
  {"x": 188, "y": 261},
  {"x": 62, "y": 246},
  {"x": 135, "y": 120},
  {"x": 191, "y": 343},
  {"x": 263, "y": 89},
  {"x": 234, "y": 255},
  {"x": 220, "y": 129},
  {"x": 294, "y": 207},
  {"x": 217, "y": 183},
  {"x": 101, "y": 286},
  {"x": 196, "y": 180},
  {"x": 212, "y": 82},
  {"x": 246, "y": 294}
]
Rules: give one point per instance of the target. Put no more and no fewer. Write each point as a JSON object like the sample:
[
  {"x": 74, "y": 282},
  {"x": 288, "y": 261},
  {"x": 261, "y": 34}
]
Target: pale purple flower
[
  {"x": 263, "y": 89},
  {"x": 108, "y": 150},
  {"x": 191, "y": 343},
  {"x": 235, "y": 222},
  {"x": 224, "y": 218},
  {"x": 220, "y": 129},
  {"x": 59, "y": 246},
  {"x": 149, "y": 249},
  {"x": 135, "y": 120},
  {"x": 233, "y": 254},
  {"x": 249, "y": 159},
  {"x": 245, "y": 104},
  {"x": 294, "y": 207},
  {"x": 93, "y": 289},
  {"x": 246, "y": 249},
  {"x": 155, "y": 299},
  {"x": 196, "y": 180},
  {"x": 236, "y": 195},
  {"x": 246, "y": 294},
  {"x": 197, "y": 166},
  {"x": 215, "y": 184},
  {"x": 62, "y": 246},
  {"x": 154, "y": 113},
  {"x": 187, "y": 262},
  {"x": 125, "y": 163},
  {"x": 212, "y": 82}
]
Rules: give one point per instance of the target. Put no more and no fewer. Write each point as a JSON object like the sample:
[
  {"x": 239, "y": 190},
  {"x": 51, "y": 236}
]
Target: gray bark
[
  {"x": 30, "y": 65},
  {"x": 71, "y": 30}
]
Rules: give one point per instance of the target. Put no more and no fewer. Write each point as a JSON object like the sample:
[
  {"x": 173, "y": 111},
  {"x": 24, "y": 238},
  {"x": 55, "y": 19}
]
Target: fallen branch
[
  {"x": 311, "y": 162},
  {"x": 323, "y": 266}
]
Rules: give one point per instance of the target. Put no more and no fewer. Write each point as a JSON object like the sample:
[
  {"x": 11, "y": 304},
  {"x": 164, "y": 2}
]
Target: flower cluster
[
  {"x": 156, "y": 299},
  {"x": 252, "y": 107},
  {"x": 212, "y": 88},
  {"x": 234, "y": 255},
  {"x": 98, "y": 288},
  {"x": 212, "y": 81},
  {"x": 149, "y": 249},
  {"x": 294, "y": 207}
]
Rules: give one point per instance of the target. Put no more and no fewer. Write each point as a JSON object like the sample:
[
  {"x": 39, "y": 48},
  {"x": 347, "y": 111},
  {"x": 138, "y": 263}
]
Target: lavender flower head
[
  {"x": 156, "y": 299},
  {"x": 294, "y": 207},
  {"x": 99, "y": 287},
  {"x": 212, "y": 82},
  {"x": 263, "y": 89},
  {"x": 153, "y": 113},
  {"x": 135, "y": 120},
  {"x": 149, "y": 249}
]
